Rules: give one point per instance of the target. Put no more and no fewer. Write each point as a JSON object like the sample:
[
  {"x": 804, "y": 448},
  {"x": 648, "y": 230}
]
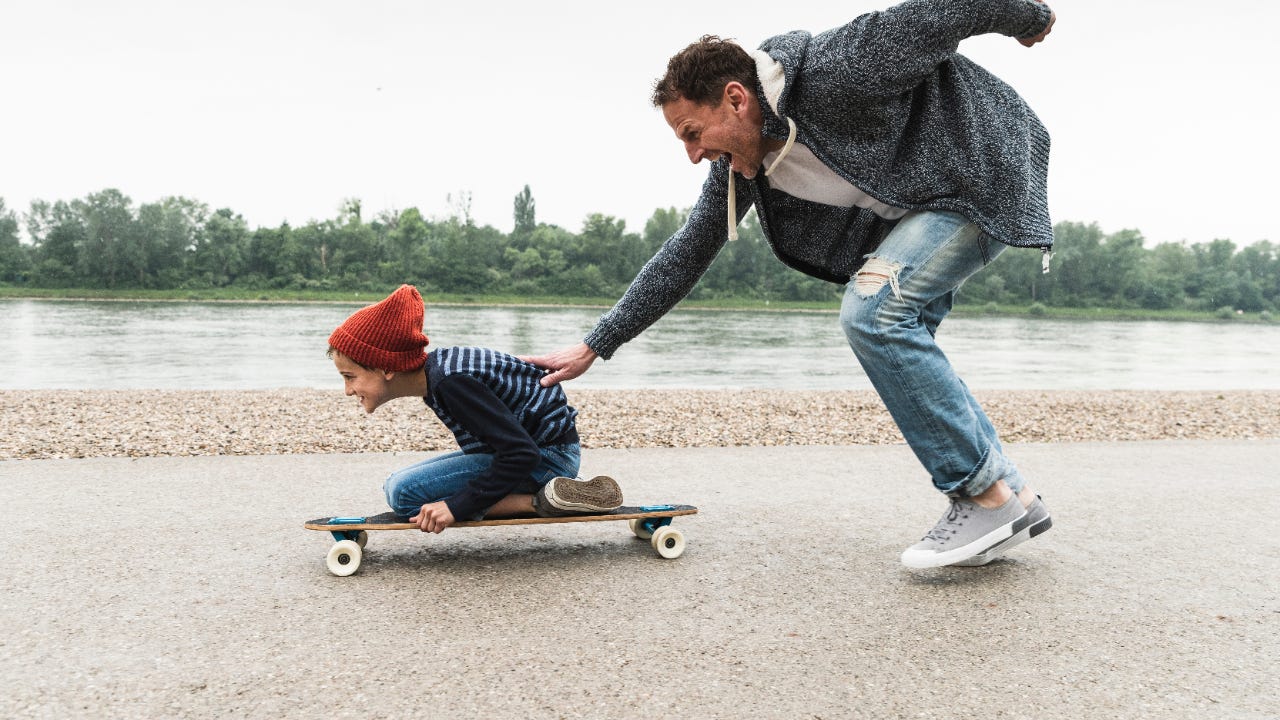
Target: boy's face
[{"x": 370, "y": 385}]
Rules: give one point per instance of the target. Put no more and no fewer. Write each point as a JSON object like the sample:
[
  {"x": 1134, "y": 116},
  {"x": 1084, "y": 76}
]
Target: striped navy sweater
[
  {"x": 493, "y": 403},
  {"x": 888, "y": 104}
]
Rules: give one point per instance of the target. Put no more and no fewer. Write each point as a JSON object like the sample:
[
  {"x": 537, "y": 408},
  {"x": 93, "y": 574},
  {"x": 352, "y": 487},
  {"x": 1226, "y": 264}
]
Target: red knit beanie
[{"x": 386, "y": 335}]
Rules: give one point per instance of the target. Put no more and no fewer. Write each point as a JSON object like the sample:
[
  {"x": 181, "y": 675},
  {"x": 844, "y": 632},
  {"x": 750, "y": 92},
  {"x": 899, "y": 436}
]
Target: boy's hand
[
  {"x": 433, "y": 517},
  {"x": 565, "y": 364}
]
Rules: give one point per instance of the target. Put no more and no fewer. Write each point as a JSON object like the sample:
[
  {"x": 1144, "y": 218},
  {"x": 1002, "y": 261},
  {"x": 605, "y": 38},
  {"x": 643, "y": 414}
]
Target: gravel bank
[{"x": 130, "y": 423}]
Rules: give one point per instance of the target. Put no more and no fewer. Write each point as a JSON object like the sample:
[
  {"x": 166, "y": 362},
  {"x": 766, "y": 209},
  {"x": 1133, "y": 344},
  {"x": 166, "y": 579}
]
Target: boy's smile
[{"x": 371, "y": 386}]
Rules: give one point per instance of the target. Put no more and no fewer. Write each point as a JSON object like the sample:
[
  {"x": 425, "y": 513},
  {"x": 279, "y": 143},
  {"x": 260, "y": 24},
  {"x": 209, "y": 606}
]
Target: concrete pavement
[{"x": 187, "y": 587}]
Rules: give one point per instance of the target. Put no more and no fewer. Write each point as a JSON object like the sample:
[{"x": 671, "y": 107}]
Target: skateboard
[{"x": 648, "y": 522}]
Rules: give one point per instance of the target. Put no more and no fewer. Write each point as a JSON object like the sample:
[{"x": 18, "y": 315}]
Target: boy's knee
[{"x": 391, "y": 489}]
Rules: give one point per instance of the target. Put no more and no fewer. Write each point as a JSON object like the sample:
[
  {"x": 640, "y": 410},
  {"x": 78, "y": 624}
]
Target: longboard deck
[
  {"x": 648, "y": 522},
  {"x": 390, "y": 521}
]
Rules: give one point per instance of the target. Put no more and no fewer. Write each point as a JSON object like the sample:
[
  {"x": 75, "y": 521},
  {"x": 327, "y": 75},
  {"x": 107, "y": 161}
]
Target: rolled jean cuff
[{"x": 993, "y": 466}]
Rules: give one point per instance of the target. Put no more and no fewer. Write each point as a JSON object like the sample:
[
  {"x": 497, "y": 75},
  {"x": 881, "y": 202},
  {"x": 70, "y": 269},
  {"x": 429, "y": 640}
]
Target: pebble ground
[{"x": 46, "y": 424}]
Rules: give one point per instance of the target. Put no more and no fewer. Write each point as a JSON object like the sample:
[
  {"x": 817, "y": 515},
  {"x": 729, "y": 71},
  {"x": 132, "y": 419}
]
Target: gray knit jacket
[{"x": 889, "y": 105}]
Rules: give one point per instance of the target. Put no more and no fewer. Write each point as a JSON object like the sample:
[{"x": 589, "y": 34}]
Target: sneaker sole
[
  {"x": 1005, "y": 546},
  {"x": 599, "y": 494},
  {"x": 921, "y": 561}
]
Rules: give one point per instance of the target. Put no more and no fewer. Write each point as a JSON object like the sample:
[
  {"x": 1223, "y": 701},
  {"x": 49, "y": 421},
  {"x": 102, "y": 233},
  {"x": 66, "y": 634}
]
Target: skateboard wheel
[
  {"x": 344, "y": 558},
  {"x": 638, "y": 527},
  {"x": 668, "y": 541},
  {"x": 362, "y": 538}
]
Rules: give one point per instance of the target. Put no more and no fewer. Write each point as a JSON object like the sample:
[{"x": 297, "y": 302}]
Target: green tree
[
  {"x": 310, "y": 252},
  {"x": 113, "y": 252},
  {"x": 57, "y": 234},
  {"x": 525, "y": 213},
  {"x": 464, "y": 258},
  {"x": 605, "y": 244},
  {"x": 355, "y": 248},
  {"x": 167, "y": 233},
  {"x": 1166, "y": 269},
  {"x": 551, "y": 243},
  {"x": 1079, "y": 268},
  {"x": 409, "y": 250},
  {"x": 661, "y": 225},
  {"x": 1258, "y": 266},
  {"x": 220, "y": 254},
  {"x": 1121, "y": 255},
  {"x": 1215, "y": 284},
  {"x": 15, "y": 257}
]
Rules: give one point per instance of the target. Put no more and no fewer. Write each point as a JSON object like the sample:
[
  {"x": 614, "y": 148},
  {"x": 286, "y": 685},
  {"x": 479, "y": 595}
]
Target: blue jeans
[
  {"x": 440, "y": 477},
  {"x": 891, "y": 316}
]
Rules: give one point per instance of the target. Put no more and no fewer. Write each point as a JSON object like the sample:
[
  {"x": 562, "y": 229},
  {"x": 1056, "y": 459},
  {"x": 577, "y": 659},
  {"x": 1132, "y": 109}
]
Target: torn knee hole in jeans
[{"x": 874, "y": 275}]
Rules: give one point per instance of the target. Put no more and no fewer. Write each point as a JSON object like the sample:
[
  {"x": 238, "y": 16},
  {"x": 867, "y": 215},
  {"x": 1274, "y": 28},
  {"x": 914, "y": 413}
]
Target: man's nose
[{"x": 695, "y": 153}]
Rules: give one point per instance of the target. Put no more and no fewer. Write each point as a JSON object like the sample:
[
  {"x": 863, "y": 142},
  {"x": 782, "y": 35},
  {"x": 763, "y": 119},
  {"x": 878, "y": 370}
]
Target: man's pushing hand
[
  {"x": 433, "y": 517},
  {"x": 565, "y": 364}
]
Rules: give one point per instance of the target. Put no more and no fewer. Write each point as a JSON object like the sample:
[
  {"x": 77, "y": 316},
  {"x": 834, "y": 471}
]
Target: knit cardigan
[{"x": 889, "y": 105}]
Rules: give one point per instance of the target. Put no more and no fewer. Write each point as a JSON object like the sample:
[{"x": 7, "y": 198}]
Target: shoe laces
[{"x": 949, "y": 524}]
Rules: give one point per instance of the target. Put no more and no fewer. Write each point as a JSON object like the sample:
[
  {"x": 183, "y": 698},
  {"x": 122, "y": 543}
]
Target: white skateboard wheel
[
  {"x": 668, "y": 541},
  {"x": 637, "y": 527},
  {"x": 344, "y": 558},
  {"x": 362, "y": 538}
]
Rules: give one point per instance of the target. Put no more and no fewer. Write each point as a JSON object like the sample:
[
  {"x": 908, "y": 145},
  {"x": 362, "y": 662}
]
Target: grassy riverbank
[{"x": 348, "y": 296}]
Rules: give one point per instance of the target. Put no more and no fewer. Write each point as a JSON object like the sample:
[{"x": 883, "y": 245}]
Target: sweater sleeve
[
  {"x": 890, "y": 51},
  {"x": 675, "y": 269},
  {"x": 474, "y": 406}
]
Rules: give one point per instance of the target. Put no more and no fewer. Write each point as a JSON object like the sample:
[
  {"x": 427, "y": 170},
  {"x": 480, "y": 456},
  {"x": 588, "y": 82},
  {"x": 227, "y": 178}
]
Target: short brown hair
[{"x": 699, "y": 72}]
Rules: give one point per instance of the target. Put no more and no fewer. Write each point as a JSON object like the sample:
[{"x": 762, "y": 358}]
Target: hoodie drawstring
[{"x": 733, "y": 196}]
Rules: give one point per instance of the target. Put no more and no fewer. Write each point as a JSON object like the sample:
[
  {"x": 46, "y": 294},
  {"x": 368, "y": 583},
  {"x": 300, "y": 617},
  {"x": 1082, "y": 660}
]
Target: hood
[
  {"x": 777, "y": 59},
  {"x": 772, "y": 85}
]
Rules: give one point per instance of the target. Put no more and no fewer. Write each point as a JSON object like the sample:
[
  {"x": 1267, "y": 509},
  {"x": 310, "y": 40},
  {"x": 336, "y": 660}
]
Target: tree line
[{"x": 105, "y": 241}]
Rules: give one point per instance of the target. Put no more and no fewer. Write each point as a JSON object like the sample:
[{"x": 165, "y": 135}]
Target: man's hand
[
  {"x": 433, "y": 517},
  {"x": 565, "y": 364},
  {"x": 1033, "y": 40}
]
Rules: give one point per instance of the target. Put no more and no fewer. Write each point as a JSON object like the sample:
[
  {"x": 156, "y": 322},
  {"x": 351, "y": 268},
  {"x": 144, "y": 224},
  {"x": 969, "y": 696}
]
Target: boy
[{"x": 519, "y": 443}]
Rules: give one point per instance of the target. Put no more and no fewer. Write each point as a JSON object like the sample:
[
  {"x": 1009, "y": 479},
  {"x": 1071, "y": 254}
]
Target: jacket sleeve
[
  {"x": 891, "y": 51},
  {"x": 673, "y": 271},
  {"x": 474, "y": 406}
]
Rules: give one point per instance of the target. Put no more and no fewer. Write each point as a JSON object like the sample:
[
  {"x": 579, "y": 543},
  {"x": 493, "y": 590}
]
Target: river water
[{"x": 176, "y": 345}]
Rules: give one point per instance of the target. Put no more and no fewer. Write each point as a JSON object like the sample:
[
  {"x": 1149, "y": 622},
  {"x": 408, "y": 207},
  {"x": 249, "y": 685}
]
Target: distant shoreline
[{"x": 266, "y": 297}]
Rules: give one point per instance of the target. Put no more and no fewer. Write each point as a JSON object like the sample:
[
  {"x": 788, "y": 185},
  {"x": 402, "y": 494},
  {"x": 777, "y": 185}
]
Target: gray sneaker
[
  {"x": 571, "y": 496},
  {"x": 966, "y": 529},
  {"x": 1038, "y": 521}
]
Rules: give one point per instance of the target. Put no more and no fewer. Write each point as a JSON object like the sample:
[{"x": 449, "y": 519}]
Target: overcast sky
[{"x": 1160, "y": 112}]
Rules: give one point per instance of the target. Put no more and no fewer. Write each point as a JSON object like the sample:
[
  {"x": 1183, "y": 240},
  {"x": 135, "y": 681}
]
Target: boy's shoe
[
  {"x": 1039, "y": 521},
  {"x": 571, "y": 496},
  {"x": 966, "y": 529}
]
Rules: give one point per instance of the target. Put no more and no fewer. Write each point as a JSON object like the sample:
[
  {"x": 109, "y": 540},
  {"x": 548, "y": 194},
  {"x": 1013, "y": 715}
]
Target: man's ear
[
  {"x": 387, "y": 375},
  {"x": 736, "y": 95}
]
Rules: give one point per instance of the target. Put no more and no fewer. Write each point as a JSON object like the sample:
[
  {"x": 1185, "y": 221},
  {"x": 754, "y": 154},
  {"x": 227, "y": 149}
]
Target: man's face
[
  {"x": 731, "y": 128},
  {"x": 370, "y": 386}
]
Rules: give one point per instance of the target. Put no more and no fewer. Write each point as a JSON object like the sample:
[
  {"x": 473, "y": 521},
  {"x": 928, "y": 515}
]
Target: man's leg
[{"x": 890, "y": 314}]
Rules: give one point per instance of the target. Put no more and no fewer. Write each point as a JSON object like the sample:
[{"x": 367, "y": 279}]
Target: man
[{"x": 877, "y": 157}]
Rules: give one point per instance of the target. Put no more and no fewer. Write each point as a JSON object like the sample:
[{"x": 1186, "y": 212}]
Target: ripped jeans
[{"x": 890, "y": 313}]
